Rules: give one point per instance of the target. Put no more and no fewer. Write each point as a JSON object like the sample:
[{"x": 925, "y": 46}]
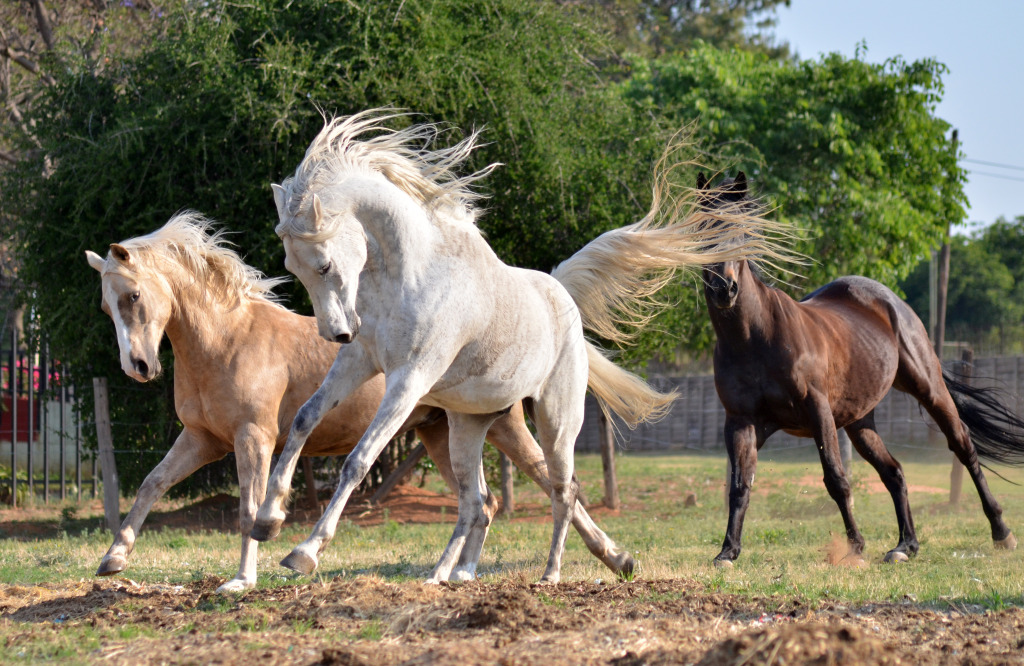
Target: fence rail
[{"x": 697, "y": 418}]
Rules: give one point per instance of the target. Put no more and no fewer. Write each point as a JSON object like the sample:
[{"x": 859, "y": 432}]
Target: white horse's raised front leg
[
  {"x": 465, "y": 446},
  {"x": 189, "y": 452},
  {"x": 350, "y": 369},
  {"x": 400, "y": 398}
]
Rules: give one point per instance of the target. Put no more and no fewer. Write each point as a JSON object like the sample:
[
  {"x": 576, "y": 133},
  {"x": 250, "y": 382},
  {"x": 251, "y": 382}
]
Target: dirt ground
[{"x": 369, "y": 621}]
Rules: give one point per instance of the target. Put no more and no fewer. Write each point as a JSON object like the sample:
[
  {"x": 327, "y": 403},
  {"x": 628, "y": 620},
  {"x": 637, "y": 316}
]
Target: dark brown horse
[{"x": 825, "y": 363}]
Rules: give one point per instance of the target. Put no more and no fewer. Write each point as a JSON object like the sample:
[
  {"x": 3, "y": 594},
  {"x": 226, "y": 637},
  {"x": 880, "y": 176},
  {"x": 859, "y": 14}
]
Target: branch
[
  {"x": 8, "y": 157},
  {"x": 43, "y": 19},
  {"x": 30, "y": 65}
]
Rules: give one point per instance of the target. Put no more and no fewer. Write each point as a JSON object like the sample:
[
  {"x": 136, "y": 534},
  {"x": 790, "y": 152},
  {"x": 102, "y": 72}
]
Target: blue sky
[{"x": 983, "y": 48}]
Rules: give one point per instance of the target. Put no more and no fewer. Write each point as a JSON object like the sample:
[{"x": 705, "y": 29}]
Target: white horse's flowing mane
[
  {"x": 404, "y": 157},
  {"x": 214, "y": 268}
]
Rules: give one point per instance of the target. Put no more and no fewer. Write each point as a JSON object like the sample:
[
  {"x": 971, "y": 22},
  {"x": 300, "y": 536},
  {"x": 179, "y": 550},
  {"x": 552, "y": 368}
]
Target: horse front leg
[
  {"x": 350, "y": 369},
  {"x": 827, "y": 441},
  {"x": 189, "y": 452},
  {"x": 400, "y": 398},
  {"x": 465, "y": 445},
  {"x": 253, "y": 450},
  {"x": 741, "y": 447}
]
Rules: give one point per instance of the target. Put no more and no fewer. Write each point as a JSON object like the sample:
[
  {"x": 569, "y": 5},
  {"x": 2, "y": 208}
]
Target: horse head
[
  {"x": 722, "y": 280},
  {"x": 140, "y": 306},
  {"x": 326, "y": 249}
]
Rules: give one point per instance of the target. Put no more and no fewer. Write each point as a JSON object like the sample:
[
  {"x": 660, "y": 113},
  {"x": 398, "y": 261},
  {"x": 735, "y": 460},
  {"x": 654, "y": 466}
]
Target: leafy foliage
[
  {"x": 208, "y": 119},
  {"x": 985, "y": 300},
  {"x": 847, "y": 150}
]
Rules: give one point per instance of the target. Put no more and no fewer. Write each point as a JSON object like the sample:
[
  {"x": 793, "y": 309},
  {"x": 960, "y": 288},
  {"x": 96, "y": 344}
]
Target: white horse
[{"x": 382, "y": 234}]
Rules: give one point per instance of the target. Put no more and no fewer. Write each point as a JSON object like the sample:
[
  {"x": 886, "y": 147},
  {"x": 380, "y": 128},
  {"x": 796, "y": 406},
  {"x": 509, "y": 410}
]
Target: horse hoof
[
  {"x": 549, "y": 579},
  {"x": 265, "y": 531},
  {"x": 723, "y": 564},
  {"x": 626, "y": 567},
  {"x": 895, "y": 557},
  {"x": 235, "y": 585},
  {"x": 462, "y": 575},
  {"x": 300, "y": 562},
  {"x": 1009, "y": 543},
  {"x": 111, "y": 565}
]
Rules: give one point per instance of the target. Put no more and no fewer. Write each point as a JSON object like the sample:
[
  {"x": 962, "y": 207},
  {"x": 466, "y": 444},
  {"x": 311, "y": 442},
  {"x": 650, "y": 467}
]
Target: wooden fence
[{"x": 697, "y": 417}]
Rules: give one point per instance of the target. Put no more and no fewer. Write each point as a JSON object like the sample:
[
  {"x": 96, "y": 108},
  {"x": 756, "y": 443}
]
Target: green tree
[
  {"x": 209, "y": 118},
  {"x": 658, "y": 27},
  {"x": 849, "y": 151},
  {"x": 985, "y": 299}
]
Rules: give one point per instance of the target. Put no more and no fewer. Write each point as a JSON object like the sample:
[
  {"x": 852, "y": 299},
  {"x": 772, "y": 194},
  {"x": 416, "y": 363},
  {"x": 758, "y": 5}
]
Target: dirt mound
[
  {"x": 813, "y": 644},
  {"x": 366, "y": 620}
]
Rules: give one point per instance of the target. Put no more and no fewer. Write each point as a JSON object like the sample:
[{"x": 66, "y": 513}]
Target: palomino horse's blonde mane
[
  {"x": 211, "y": 267},
  {"x": 405, "y": 157}
]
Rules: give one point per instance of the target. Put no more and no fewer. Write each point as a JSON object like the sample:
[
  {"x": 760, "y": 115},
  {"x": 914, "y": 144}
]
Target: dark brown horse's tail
[{"x": 997, "y": 433}]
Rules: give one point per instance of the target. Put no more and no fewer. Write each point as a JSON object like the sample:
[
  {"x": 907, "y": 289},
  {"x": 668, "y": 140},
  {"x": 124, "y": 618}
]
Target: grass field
[{"x": 788, "y": 532}]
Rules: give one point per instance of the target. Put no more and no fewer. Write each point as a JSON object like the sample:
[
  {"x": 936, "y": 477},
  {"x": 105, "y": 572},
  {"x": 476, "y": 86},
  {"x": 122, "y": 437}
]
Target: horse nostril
[
  {"x": 733, "y": 289},
  {"x": 343, "y": 338},
  {"x": 142, "y": 368}
]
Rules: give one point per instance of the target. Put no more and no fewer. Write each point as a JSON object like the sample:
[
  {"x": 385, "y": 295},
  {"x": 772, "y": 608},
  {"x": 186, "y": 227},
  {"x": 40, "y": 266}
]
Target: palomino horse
[
  {"x": 826, "y": 362},
  {"x": 383, "y": 236},
  {"x": 243, "y": 366}
]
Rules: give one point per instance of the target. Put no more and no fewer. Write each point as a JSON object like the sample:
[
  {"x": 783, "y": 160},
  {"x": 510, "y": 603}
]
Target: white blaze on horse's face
[
  {"x": 140, "y": 312},
  {"x": 329, "y": 269}
]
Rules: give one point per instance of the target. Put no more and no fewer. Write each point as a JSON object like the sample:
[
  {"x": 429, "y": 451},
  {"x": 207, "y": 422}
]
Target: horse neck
[
  {"x": 205, "y": 331},
  {"x": 404, "y": 240},
  {"x": 751, "y": 319}
]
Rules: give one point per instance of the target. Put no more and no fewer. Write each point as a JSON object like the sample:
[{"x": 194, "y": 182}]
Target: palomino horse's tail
[
  {"x": 615, "y": 277},
  {"x": 997, "y": 433}
]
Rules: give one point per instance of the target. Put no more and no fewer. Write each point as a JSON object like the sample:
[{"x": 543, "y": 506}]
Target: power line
[
  {"x": 995, "y": 175},
  {"x": 994, "y": 164}
]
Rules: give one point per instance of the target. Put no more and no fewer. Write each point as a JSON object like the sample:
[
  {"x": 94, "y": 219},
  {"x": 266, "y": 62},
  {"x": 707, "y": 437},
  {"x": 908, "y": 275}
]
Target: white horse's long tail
[{"x": 615, "y": 277}]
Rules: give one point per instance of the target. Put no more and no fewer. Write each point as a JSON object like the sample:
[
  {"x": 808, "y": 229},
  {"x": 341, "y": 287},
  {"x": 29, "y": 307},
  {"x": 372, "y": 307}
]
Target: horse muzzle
[
  {"x": 722, "y": 293},
  {"x": 144, "y": 371}
]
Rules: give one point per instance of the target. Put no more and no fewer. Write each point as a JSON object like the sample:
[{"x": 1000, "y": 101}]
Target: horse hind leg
[
  {"x": 510, "y": 435},
  {"x": 958, "y": 436},
  {"x": 465, "y": 445},
  {"x": 558, "y": 420},
  {"x": 920, "y": 375},
  {"x": 869, "y": 445}
]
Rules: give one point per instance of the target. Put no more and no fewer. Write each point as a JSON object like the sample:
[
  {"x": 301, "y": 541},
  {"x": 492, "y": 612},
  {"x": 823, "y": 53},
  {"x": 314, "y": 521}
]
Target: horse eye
[
  {"x": 134, "y": 297},
  {"x": 326, "y": 267}
]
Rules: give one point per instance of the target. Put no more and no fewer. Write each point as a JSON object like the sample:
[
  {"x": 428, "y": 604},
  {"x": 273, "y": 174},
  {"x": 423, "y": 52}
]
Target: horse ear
[
  {"x": 318, "y": 213},
  {"x": 121, "y": 253},
  {"x": 702, "y": 181},
  {"x": 739, "y": 184},
  {"x": 280, "y": 198},
  {"x": 95, "y": 260}
]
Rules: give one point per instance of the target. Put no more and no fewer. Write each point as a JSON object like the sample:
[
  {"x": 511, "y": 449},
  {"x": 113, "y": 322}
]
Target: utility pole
[{"x": 956, "y": 475}]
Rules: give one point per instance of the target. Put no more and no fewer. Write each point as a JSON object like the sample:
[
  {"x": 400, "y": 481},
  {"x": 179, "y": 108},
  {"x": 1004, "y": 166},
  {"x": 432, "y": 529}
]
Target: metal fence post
[{"x": 14, "y": 417}]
